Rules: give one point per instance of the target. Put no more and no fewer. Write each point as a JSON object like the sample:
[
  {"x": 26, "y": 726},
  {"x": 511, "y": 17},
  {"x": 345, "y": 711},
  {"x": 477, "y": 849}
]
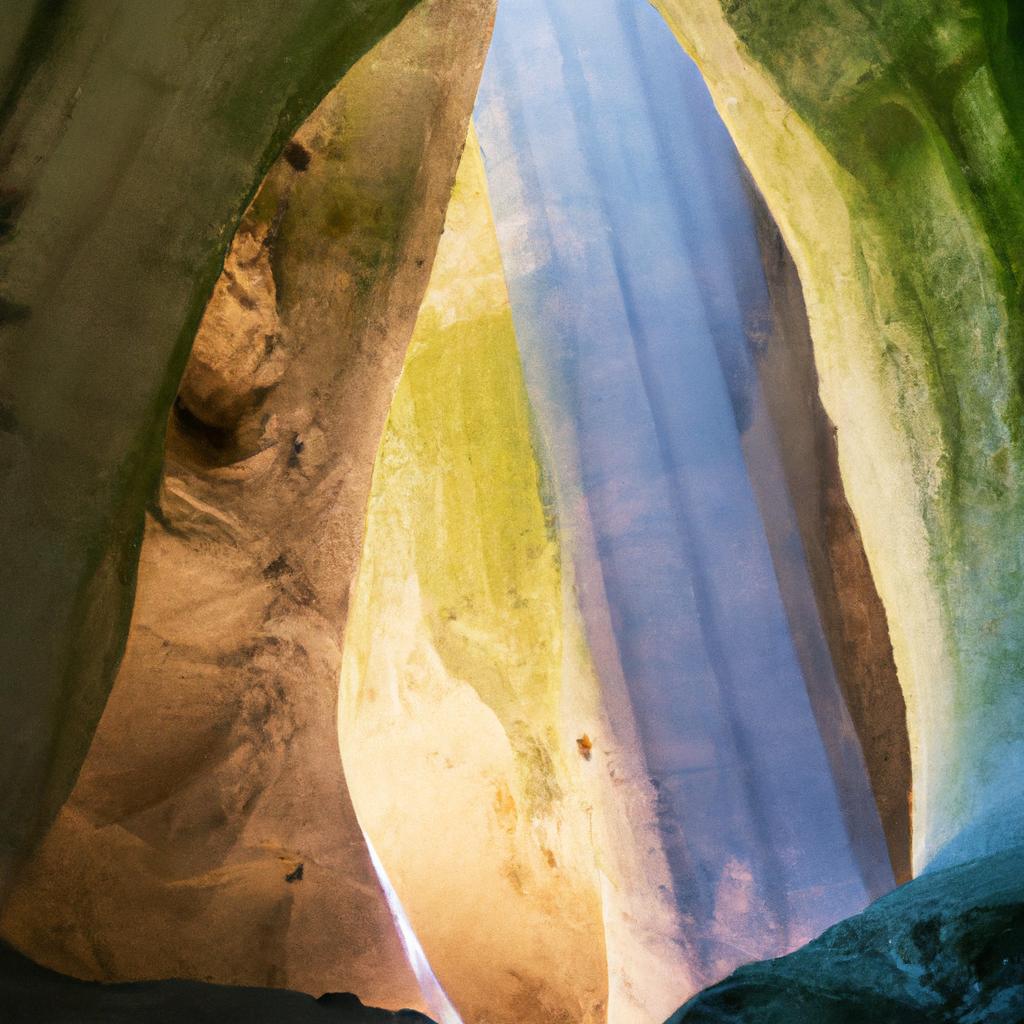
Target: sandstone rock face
[
  {"x": 131, "y": 141},
  {"x": 888, "y": 144},
  {"x": 504, "y": 792},
  {"x": 210, "y": 835}
]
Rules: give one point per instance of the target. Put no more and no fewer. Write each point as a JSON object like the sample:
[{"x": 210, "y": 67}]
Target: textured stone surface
[
  {"x": 948, "y": 946},
  {"x": 34, "y": 995},
  {"x": 467, "y": 687},
  {"x": 852, "y": 614},
  {"x": 215, "y": 773},
  {"x": 887, "y": 140},
  {"x": 131, "y": 140}
]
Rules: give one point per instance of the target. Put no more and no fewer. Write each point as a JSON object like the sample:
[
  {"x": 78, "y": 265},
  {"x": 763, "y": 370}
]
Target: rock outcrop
[
  {"x": 131, "y": 141},
  {"x": 888, "y": 141},
  {"x": 210, "y": 834},
  {"x": 948, "y": 946},
  {"x": 31, "y": 993}
]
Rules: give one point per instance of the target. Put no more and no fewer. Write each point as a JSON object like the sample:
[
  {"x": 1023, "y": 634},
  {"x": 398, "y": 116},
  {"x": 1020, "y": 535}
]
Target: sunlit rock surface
[
  {"x": 948, "y": 946},
  {"x": 132, "y": 137},
  {"x": 887, "y": 140},
  {"x": 513, "y": 819},
  {"x": 635, "y": 278},
  {"x": 210, "y": 835}
]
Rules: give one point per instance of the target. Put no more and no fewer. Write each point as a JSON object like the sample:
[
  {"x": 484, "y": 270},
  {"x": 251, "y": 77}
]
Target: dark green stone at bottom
[{"x": 947, "y": 946}]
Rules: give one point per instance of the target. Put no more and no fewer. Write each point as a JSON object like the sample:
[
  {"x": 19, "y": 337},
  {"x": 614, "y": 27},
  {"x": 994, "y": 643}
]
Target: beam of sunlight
[{"x": 437, "y": 999}]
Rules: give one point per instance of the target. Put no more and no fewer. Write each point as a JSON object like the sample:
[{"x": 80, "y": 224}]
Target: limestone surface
[{"x": 210, "y": 835}]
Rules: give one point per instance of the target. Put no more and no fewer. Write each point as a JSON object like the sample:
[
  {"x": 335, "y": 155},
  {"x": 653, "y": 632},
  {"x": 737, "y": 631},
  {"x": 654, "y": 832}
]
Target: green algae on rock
[{"x": 887, "y": 139}]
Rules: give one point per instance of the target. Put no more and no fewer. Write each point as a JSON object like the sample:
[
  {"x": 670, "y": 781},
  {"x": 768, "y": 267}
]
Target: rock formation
[
  {"x": 888, "y": 144},
  {"x": 210, "y": 834},
  {"x": 131, "y": 141}
]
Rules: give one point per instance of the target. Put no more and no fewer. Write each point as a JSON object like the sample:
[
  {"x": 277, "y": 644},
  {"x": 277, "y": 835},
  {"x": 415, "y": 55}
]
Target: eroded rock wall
[
  {"x": 132, "y": 138},
  {"x": 210, "y": 835},
  {"x": 851, "y": 612},
  {"x": 513, "y": 815},
  {"x": 886, "y": 139}
]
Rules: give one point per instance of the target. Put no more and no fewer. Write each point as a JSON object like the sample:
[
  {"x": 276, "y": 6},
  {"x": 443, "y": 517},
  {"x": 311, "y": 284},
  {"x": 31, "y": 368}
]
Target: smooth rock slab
[{"x": 948, "y": 946}]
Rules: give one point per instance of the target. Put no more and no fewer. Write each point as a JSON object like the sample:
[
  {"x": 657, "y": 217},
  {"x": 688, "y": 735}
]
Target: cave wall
[
  {"x": 132, "y": 137},
  {"x": 504, "y": 791},
  {"x": 845, "y": 598},
  {"x": 885, "y": 138},
  {"x": 210, "y": 834}
]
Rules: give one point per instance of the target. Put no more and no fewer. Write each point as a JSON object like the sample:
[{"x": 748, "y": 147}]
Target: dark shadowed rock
[
  {"x": 948, "y": 946},
  {"x": 29, "y": 992}
]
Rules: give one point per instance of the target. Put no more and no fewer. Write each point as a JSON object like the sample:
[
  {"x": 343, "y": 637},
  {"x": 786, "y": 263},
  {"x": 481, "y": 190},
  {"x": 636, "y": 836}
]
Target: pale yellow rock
[{"x": 529, "y": 864}]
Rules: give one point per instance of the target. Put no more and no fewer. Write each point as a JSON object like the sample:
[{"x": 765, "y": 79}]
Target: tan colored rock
[
  {"x": 504, "y": 792},
  {"x": 210, "y": 835}
]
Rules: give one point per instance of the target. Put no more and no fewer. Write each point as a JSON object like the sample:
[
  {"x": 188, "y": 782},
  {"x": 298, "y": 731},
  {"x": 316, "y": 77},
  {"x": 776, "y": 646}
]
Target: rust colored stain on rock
[{"x": 852, "y": 614}]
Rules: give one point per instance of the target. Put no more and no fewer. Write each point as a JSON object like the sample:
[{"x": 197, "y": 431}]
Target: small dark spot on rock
[
  {"x": 297, "y": 155},
  {"x": 420, "y": 262},
  {"x": 155, "y": 509},
  {"x": 219, "y": 438},
  {"x": 12, "y": 202},
  {"x": 8, "y": 421},
  {"x": 295, "y": 876},
  {"x": 277, "y": 568},
  {"x": 13, "y": 312},
  {"x": 585, "y": 745},
  {"x": 297, "y": 449}
]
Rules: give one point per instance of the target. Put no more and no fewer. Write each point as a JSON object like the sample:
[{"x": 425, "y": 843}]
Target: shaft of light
[{"x": 441, "y": 1007}]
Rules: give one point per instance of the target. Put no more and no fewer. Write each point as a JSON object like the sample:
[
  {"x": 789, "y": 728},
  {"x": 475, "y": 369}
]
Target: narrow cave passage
[
  {"x": 588, "y": 714},
  {"x": 677, "y": 650}
]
